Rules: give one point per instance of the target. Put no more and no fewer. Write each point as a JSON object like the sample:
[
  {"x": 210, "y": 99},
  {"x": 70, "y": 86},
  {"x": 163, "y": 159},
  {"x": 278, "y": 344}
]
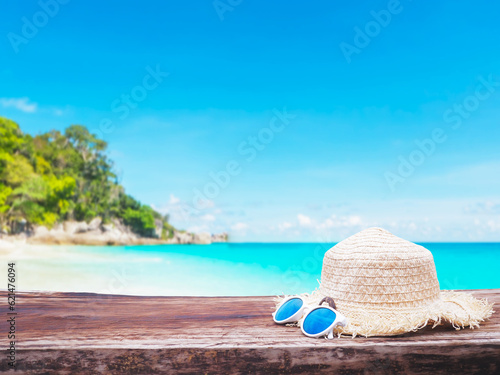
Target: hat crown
[{"x": 375, "y": 269}]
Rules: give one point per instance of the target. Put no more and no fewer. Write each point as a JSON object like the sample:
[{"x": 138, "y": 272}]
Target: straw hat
[{"x": 388, "y": 286}]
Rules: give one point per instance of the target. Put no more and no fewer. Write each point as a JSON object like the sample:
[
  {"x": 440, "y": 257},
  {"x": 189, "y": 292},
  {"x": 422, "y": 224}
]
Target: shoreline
[
  {"x": 12, "y": 242},
  {"x": 96, "y": 233}
]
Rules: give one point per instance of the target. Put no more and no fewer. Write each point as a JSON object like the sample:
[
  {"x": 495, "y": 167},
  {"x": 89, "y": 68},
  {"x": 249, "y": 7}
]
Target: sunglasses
[{"x": 318, "y": 321}]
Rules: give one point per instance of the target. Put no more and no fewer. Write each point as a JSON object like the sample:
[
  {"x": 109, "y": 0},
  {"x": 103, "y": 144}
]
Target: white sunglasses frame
[
  {"x": 305, "y": 310},
  {"x": 295, "y": 317},
  {"x": 340, "y": 320}
]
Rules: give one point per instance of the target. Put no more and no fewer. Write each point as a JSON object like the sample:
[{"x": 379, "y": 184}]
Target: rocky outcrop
[
  {"x": 95, "y": 224},
  {"x": 158, "y": 228},
  {"x": 184, "y": 238},
  {"x": 114, "y": 233},
  {"x": 220, "y": 237},
  {"x": 82, "y": 233},
  {"x": 75, "y": 227}
]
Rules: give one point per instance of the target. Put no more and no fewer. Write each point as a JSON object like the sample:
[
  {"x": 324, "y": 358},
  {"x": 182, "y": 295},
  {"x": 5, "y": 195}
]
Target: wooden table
[{"x": 89, "y": 333}]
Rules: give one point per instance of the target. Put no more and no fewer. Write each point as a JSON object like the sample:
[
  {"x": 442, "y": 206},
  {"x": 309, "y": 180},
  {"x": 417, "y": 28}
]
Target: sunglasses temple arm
[{"x": 330, "y": 334}]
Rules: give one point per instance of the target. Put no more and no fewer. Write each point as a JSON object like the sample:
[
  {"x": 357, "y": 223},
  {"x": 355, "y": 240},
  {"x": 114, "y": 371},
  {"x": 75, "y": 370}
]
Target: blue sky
[{"x": 319, "y": 118}]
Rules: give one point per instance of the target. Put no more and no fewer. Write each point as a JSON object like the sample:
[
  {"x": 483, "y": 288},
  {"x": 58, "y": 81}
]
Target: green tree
[
  {"x": 59, "y": 176},
  {"x": 17, "y": 170},
  {"x": 61, "y": 192},
  {"x": 140, "y": 221},
  {"x": 28, "y": 202},
  {"x": 5, "y": 192},
  {"x": 11, "y": 137}
]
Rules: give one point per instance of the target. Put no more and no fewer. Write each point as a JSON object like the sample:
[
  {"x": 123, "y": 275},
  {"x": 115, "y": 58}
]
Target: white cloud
[
  {"x": 22, "y": 104},
  {"x": 198, "y": 229},
  {"x": 353, "y": 220},
  {"x": 304, "y": 221},
  {"x": 487, "y": 207},
  {"x": 203, "y": 204},
  {"x": 174, "y": 199},
  {"x": 492, "y": 225},
  {"x": 239, "y": 227},
  {"x": 184, "y": 216},
  {"x": 284, "y": 226},
  {"x": 341, "y": 222},
  {"x": 208, "y": 217}
]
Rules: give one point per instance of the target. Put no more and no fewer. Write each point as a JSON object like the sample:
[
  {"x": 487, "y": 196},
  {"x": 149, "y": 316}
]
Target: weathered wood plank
[{"x": 90, "y": 333}]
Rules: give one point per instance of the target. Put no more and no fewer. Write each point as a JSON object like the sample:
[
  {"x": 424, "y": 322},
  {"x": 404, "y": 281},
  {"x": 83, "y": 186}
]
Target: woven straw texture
[{"x": 388, "y": 286}]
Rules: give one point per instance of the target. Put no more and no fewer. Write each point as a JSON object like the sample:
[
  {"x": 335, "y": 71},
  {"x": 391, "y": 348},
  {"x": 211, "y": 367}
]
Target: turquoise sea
[{"x": 228, "y": 269}]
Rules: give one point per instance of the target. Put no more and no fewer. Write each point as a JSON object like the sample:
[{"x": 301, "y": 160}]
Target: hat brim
[{"x": 460, "y": 309}]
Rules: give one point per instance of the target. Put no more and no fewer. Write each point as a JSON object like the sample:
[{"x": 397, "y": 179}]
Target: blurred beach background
[
  {"x": 287, "y": 126},
  {"x": 223, "y": 269}
]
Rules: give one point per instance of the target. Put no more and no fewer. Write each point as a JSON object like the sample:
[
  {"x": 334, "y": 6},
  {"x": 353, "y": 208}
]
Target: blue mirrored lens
[
  {"x": 318, "y": 320},
  {"x": 289, "y": 308}
]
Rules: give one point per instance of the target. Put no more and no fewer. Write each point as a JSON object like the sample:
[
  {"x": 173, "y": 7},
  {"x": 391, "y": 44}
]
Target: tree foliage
[{"x": 57, "y": 176}]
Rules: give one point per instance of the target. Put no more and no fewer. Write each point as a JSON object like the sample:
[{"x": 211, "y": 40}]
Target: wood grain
[{"x": 92, "y": 333}]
